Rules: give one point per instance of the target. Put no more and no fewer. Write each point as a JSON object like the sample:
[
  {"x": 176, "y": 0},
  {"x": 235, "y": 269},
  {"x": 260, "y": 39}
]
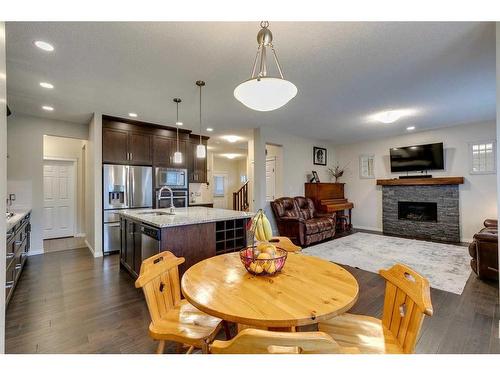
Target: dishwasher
[{"x": 150, "y": 241}]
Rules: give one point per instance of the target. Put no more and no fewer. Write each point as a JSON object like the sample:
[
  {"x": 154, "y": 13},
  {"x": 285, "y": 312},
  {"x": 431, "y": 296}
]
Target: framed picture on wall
[
  {"x": 319, "y": 156},
  {"x": 367, "y": 166}
]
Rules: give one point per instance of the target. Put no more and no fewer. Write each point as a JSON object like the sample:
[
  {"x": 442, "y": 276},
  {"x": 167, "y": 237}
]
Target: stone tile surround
[{"x": 447, "y": 227}]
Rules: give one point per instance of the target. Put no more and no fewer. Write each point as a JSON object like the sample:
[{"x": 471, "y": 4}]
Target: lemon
[
  {"x": 271, "y": 268},
  {"x": 264, "y": 256}
]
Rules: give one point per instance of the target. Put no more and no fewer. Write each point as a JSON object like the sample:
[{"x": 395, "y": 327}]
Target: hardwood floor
[{"x": 70, "y": 302}]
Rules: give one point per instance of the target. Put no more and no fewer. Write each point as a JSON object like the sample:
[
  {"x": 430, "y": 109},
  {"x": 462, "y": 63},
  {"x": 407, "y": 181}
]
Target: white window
[
  {"x": 219, "y": 186},
  {"x": 482, "y": 157},
  {"x": 367, "y": 166}
]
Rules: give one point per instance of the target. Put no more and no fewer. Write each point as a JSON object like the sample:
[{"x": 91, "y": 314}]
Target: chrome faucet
[{"x": 159, "y": 198}]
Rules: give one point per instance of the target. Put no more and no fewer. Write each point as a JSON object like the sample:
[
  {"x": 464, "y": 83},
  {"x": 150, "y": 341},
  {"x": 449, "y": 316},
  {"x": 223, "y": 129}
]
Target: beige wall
[
  {"x": 70, "y": 148},
  {"x": 276, "y": 152},
  {"x": 93, "y": 190},
  {"x": 232, "y": 168},
  {"x": 25, "y": 163},
  {"x": 478, "y": 196},
  {"x": 3, "y": 181}
]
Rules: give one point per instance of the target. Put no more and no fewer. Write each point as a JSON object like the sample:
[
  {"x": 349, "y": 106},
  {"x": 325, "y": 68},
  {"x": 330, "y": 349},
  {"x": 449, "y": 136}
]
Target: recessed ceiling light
[
  {"x": 388, "y": 117},
  {"x": 44, "y": 45},
  {"x": 230, "y": 156},
  {"x": 210, "y": 129},
  {"x": 410, "y": 128},
  {"x": 132, "y": 114},
  {"x": 47, "y": 108},
  {"x": 231, "y": 138},
  {"x": 179, "y": 123},
  {"x": 46, "y": 85}
]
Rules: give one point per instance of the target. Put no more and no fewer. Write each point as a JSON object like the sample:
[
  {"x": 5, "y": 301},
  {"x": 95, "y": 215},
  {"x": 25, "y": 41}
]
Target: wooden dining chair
[
  {"x": 256, "y": 341},
  {"x": 173, "y": 318},
  {"x": 407, "y": 300}
]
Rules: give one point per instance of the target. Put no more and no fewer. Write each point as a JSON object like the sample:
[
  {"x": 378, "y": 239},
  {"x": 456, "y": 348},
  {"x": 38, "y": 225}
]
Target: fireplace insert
[{"x": 417, "y": 211}]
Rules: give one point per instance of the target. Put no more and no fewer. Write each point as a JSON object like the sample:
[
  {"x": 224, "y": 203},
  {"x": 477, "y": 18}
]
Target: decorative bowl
[{"x": 266, "y": 266}]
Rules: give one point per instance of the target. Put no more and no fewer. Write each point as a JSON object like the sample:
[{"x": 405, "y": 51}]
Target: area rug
[{"x": 446, "y": 266}]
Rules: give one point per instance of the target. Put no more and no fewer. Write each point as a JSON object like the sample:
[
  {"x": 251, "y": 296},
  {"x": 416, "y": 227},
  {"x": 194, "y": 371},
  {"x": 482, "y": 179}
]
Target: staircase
[{"x": 240, "y": 198}]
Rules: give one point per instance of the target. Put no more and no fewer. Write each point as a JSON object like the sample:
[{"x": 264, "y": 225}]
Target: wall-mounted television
[{"x": 417, "y": 158}]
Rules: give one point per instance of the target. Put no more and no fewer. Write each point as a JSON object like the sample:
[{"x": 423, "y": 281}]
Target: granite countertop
[
  {"x": 183, "y": 216},
  {"x": 199, "y": 203},
  {"x": 18, "y": 216}
]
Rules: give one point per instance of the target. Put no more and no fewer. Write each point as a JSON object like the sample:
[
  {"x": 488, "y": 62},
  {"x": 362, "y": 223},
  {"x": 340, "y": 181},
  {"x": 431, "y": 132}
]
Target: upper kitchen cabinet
[
  {"x": 122, "y": 146},
  {"x": 164, "y": 149},
  {"x": 197, "y": 167},
  {"x": 114, "y": 146}
]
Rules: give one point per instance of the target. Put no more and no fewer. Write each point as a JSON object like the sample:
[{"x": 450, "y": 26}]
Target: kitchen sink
[{"x": 156, "y": 213}]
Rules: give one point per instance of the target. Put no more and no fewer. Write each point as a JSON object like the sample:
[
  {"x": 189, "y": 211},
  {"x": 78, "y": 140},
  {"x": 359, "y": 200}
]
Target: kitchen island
[{"x": 195, "y": 233}]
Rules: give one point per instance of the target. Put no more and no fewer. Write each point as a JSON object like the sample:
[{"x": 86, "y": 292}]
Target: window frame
[
  {"x": 361, "y": 159},
  {"x": 471, "y": 157}
]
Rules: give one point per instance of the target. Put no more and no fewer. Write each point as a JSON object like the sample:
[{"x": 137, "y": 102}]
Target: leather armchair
[
  {"x": 297, "y": 219},
  {"x": 484, "y": 251}
]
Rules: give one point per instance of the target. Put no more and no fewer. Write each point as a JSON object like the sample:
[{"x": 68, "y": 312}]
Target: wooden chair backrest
[
  {"x": 407, "y": 300},
  {"x": 256, "y": 341},
  {"x": 159, "y": 280}
]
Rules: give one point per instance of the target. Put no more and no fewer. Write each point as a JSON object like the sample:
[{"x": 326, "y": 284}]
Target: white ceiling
[{"x": 344, "y": 72}]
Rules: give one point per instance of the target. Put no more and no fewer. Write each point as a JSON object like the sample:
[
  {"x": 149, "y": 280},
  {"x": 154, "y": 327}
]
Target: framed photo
[
  {"x": 319, "y": 156},
  {"x": 315, "y": 176},
  {"x": 367, "y": 166}
]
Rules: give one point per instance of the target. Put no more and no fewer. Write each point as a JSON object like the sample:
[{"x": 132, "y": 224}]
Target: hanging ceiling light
[
  {"x": 262, "y": 92},
  {"x": 177, "y": 154},
  {"x": 201, "y": 151}
]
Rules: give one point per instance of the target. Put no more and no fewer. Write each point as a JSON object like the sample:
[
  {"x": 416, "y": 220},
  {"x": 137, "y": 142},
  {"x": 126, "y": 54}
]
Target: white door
[
  {"x": 220, "y": 189},
  {"x": 59, "y": 199},
  {"x": 270, "y": 179}
]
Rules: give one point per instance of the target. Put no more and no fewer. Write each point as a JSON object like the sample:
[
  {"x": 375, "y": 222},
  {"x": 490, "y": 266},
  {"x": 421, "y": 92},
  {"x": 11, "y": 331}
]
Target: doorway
[
  {"x": 59, "y": 198},
  {"x": 270, "y": 179}
]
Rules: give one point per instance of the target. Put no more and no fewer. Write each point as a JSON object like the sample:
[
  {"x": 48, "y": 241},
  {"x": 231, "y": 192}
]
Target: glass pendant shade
[
  {"x": 263, "y": 92},
  {"x": 177, "y": 157},
  {"x": 201, "y": 151},
  {"x": 266, "y": 93}
]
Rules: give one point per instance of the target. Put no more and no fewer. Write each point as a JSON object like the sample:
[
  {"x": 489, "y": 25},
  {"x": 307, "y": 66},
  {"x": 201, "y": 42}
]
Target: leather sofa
[
  {"x": 297, "y": 219},
  {"x": 484, "y": 251}
]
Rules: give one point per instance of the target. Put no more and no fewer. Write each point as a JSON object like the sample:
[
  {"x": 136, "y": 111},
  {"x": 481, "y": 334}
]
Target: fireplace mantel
[{"x": 421, "y": 181}]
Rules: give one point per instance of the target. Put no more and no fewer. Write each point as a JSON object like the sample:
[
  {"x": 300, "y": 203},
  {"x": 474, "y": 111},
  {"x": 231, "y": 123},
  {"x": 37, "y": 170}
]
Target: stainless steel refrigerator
[{"x": 124, "y": 186}]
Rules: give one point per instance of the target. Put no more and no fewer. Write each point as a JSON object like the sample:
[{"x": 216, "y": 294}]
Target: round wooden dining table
[{"x": 306, "y": 291}]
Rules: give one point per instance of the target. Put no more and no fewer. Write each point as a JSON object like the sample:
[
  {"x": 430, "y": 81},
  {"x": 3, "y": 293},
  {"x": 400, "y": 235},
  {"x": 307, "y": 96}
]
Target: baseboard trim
[
  {"x": 35, "y": 252},
  {"x": 369, "y": 228},
  {"x": 89, "y": 247}
]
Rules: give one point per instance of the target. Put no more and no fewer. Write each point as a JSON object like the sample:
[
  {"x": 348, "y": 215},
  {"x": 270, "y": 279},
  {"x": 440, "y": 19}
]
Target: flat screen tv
[{"x": 417, "y": 158}]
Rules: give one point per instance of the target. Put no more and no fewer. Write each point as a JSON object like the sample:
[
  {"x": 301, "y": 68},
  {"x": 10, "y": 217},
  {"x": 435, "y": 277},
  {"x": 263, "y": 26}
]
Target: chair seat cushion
[
  {"x": 318, "y": 225},
  {"x": 363, "y": 332},
  {"x": 185, "y": 323}
]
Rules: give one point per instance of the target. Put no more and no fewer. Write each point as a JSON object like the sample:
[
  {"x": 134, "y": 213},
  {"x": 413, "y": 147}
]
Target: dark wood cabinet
[
  {"x": 130, "y": 249},
  {"x": 140, "y": 148},
  {"x": 164, "y": 149},
  {"x": 197, "y": 167},
  {"x": 114, "y": 146},
  {"x": 126, "y": 147}
]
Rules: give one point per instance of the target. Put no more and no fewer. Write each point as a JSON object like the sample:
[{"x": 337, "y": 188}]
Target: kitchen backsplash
[{"x": 200, "y": 193}]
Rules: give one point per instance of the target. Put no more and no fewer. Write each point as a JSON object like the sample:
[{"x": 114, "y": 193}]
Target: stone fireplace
[{"x": 429, "y": 210}]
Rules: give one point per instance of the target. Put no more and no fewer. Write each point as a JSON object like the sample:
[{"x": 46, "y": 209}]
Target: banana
[
  {"x": 268, "y": 232},
  {"x": 260, "y": 231}
]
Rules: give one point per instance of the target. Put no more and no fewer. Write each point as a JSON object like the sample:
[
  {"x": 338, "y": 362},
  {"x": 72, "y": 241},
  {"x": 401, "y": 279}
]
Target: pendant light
[
  {"x": 262, "y": 92},
  {"x": 177, "y": 154},
  {"x": 201, "y": 151}
]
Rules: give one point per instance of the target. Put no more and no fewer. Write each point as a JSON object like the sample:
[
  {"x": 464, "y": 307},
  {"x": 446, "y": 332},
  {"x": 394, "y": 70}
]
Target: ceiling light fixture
[
  {"x": 46, "y": 85},
  {"x": 409, "y": 128},
  {"x": 231, "y": 156},
  {"x": 210, "y": 129},
  {"x": 177, "y": 154},
  {"x": 44, "y": 45},
  {"x": 388, "y": 117},
  {"x": 262, "y": 92},
  {"x": 201, "y": 151},
  {"x": 231, "y": 138},
  {"x": 132, "y": 114},
  {"x": 47, "y": 108}
]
